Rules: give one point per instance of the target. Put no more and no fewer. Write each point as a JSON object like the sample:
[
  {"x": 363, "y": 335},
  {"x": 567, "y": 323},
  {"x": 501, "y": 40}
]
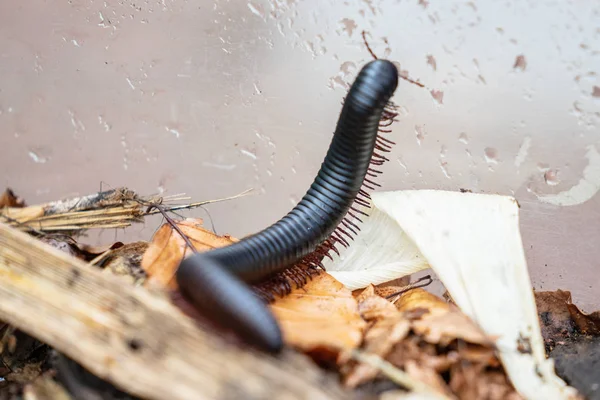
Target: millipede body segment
[{"x": 218, "y": 282}]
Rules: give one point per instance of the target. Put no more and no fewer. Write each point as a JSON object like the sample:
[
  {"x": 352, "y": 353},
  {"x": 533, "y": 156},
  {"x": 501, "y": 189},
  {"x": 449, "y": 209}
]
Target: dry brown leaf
[
  {"x": 588, "y": 324},
  {"x": 82, "y": 251},
  {"x": 362, "y": 294},
  {"x": 380, "y": 340},
  {"x": 476, "y": 354},
  {"x": 45, "y": 387},
  {"x": 474, "y": 382},
  {"x": 92, "y": 252},
  {"x": 322, "y": 315},
  {"x": 387, "y": 291},
  {"x": 126, "y": 260},
  {"x": 429, "y": 377},
  {"x": 415, "y": 349},
  {"x": 117, "y": 258},
  {"x": 443, "y": 329},
  {"x": 373, "y": 307},
  {"x": 404, "y": 395},
  {"x": 418, "y": 334},
  {"x": 555, "y": 318},
  {"x": 167, "y": 249},
  {"x": 560, "y": 318},
  {"x": 10, "y": 199},
  {"x": 16, "y": 361},
  {"x": 65, "y": 244},
  {"x": 421, "y": 299},
  {"x": 388, "y": 327},
  {"x": 443, "y": 322},
  {"x": 395, "y": 288}
]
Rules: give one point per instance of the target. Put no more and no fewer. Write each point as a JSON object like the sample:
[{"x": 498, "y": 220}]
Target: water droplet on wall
[
  {"x": 107, "y": 127},
  {"x": 173, "y": 130},
  {"x": 523, "y": 151},
  {"x": 520, "y": 63},
  {"x": 551, "y": 177},
  {"x": 543, "y": 167},
  {"x": 438, "y": 96},
  {"x": 38, "y": 156},
  {"x": 256, "y": 10},
  {"x": 431, "y": 62},
  {"x": 130, "y": 83},
  {"x": 75, "y": 122},
  {"x": 491, "y": 155},
  {"x": 348, "y": 26},
  {"x": 249, "y": 153},
  {"x": 444, "y": 168},
  {"x": 420, "y": 132}
]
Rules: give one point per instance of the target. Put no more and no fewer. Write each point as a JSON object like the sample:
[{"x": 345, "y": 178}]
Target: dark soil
[{"x": 578, "y": 363}]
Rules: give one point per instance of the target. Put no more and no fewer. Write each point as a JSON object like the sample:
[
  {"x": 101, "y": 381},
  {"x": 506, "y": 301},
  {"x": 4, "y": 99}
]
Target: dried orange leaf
[
  {"x": 554, "y": 314},
  {"x": 125, "y": 261},
  {"x": 420, "y": 298},
  {"x": 423, "y": 353},
  {"x": 429, "y": 377},
  {"x": 389, "y": 326},
  {"x": 92, "y": 252},
  {"x": 474, "y": 382},
  {"x": 321, "y": 315},
  {"x": 560, "y": 318},
  {"x": 588, "y": 324},
  {"x": 404, "y": 395},
  {"x": 373, "y": 307},
  {"x": 389, "y": 291},
  {"x": 444, "y": 328},
  {"x": 443, "y": 322},
  {"x": 380, "y": 340},
  {"x": 9, "y": 199},
  {"x": 479, "y": 355},
  {"x": 167, "y": 249}
]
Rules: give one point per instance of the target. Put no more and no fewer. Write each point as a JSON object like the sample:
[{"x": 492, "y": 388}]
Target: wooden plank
[{"x": 94, "y": 318}]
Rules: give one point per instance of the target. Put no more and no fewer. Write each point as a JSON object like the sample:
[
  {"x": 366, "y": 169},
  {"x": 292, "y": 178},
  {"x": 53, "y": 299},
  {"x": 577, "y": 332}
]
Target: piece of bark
[{"x": 136, "y": 339}]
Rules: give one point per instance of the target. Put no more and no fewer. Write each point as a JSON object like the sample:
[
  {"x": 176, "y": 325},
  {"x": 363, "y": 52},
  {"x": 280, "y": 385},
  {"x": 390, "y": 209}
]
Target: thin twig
[
  {"x": 21, "y": 224},
  {"x": 100, "y": 257},
  {"x": 174, "y": 225},
  {"x": 406, "y": 78},
  {"x": 396, "y": 375},
  {"x": 201, "y": 203},
  {"x": 410, "y": 286},
  {"x": 164, "y": 210}
]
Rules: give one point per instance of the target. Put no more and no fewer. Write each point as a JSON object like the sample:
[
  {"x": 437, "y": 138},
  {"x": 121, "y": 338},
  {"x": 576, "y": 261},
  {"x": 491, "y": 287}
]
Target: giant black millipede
[{"x": 217, "y": 282}]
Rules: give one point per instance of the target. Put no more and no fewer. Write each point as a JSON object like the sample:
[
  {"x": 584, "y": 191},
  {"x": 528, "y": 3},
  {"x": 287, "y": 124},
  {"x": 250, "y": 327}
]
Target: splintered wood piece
[{"x": 134, "y": 338}]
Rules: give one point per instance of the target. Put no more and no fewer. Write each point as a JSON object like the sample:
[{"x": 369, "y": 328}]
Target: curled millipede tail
[{"x": 217, "y": 282}]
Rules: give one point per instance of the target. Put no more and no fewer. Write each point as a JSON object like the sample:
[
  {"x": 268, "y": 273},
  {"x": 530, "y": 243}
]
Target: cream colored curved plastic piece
[
  {"x": 473, "y": 243},
  {"x": 380, "y": 252}
]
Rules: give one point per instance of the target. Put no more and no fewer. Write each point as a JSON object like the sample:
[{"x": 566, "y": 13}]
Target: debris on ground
[{"x": 380, "y": 340}]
